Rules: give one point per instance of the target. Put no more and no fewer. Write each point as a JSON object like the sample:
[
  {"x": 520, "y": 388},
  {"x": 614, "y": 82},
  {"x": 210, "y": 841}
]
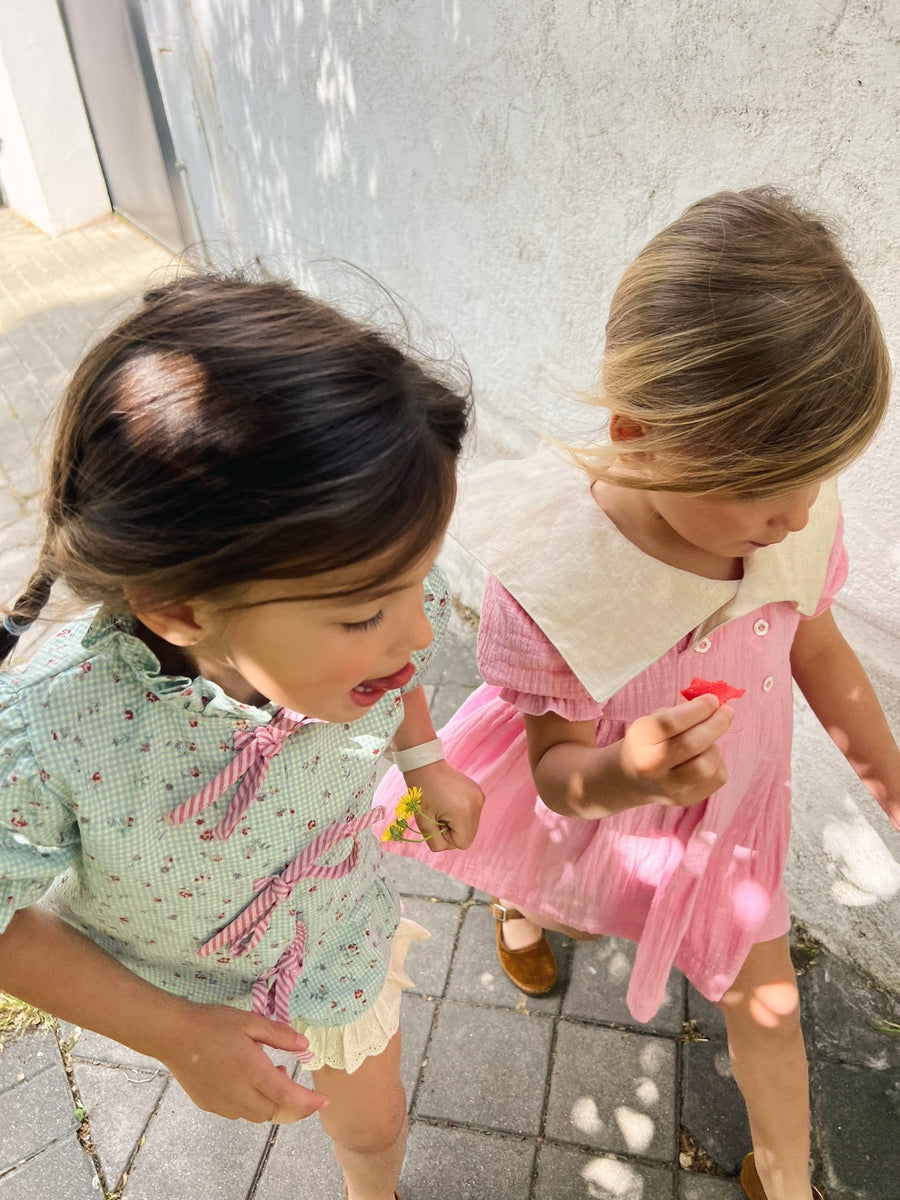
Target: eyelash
[{"x": 363, "y": 626}]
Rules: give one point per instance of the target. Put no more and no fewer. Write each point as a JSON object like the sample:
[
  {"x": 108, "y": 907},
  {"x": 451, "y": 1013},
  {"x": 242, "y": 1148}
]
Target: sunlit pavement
[{"x": 510, "y": 1099}]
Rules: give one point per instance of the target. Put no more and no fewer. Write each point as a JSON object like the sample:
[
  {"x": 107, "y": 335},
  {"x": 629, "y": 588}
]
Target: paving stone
[
  {"x": 429, "y": 962},
  {"x": 27, "y": 1056},
  {"x": 707, "y": 1015},
  {"x": 856, "y": 1119},
  {"x": 486, "y": 1067},
  {"x": 455, "y": 661},
  {"x": 94, "y": 1048},
  {"x": 448, "y": 1164},
  {"x": 36, "y": 1112},
  {"x": 448, "y": 697},
  {"x": 598, "y": 981},
  {"x": 613, "y": 1090},
  {"x": 848, "y": 1017},
  {"x": 690, "y": 1185},
  {"x": 301, "y": 1166},
  {"x": 61, "y": 1172},
  {"x": 568, "y": 1174},
  {"x": 416, "y": 1018},
  {"x": 118, "y": 1104},
  {"x": 185, "y": 1150},
  {"x": 412, "y": 878},
  {"x": 713, "y": 1110},
  {"x": 477, "y": 976}
]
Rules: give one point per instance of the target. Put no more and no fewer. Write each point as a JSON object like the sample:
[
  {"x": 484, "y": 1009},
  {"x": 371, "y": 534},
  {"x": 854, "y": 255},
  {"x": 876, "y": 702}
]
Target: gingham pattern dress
[{"x": 220, "y": 851}]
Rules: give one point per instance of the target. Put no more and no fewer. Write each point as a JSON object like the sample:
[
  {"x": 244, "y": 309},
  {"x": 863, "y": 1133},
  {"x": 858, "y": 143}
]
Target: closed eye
[{"x": 362, "y": 626}]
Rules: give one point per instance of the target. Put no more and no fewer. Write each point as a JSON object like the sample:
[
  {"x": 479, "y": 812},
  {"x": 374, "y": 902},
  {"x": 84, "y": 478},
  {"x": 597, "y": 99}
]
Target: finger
[
  {"x": 700, "y": 777},
  {"x": 460, "y": 832},
  {"x": 435, "y": 830},
  {"x": 667, "y": 723},
  {"x": 695, "y": 740},
  {"x": 276, "y": 1034},
  {"x": 289, "y": 1100}
]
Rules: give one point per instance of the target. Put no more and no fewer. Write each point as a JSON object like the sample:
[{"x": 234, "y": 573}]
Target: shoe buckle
[{"x": 499, "y": 911}]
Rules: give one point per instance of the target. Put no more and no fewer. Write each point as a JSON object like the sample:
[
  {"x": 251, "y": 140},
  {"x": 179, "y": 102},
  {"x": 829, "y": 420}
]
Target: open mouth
[{"x": 371, "y": 690}]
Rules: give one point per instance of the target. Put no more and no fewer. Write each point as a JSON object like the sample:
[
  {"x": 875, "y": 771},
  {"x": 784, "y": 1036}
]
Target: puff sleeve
[
  {"x": 836, "y": 572},
  {"x": 516, "y": 656},
  {"x": 39, "y": 838}
]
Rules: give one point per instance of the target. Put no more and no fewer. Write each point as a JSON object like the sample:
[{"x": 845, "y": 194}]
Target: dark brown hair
[
  {"x": 231, "y": 431},
  {"x": 741, "y": 342}
]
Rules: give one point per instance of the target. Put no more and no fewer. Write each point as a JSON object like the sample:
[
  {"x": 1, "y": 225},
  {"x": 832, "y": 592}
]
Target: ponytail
[{"x": 25, "y": 611}]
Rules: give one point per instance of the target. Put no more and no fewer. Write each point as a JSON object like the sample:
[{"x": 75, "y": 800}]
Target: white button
[
  {"x": 703, "y": 645},
  {"x": 767, "y": 683},
  {"x": 760, "y": 627}
]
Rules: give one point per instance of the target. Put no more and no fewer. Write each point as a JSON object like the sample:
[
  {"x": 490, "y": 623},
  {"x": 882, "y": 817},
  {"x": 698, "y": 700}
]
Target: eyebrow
[{"x": 366, "y": 596}]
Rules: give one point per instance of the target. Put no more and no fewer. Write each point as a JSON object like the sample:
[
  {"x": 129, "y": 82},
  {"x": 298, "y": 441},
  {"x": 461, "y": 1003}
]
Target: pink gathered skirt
[{"x": 677, "y": 881}]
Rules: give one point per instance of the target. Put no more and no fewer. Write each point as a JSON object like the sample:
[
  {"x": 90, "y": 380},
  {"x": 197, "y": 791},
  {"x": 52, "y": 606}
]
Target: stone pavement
[{"x": 551, "y": 1099}]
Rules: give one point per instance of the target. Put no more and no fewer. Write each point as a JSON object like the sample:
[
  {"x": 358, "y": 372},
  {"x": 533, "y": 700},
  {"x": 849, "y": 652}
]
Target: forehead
[{"x": 362, "y": 583}]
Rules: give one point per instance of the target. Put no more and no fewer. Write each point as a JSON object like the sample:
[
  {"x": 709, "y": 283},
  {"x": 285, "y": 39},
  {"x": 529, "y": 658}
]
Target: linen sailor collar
[{"x": 610, "y": 609}]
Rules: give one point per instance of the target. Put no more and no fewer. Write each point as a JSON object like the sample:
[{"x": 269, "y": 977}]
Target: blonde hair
[{"x": 741, "y": 343}]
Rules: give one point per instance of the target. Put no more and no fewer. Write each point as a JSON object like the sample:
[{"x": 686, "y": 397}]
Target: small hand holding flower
[{"x": 446, "y": 806}]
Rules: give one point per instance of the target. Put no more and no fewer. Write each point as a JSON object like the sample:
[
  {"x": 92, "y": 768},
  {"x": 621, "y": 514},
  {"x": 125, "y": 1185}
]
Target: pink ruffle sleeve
[
  {"x": 836, "y": 572},
  {"x": 514, "y": 655}
]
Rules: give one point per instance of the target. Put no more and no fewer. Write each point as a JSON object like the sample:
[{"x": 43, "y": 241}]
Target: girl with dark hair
[{"x": 252, "y": 488}]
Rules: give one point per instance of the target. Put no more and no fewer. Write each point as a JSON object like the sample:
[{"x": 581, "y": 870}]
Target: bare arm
[
  {"x": 215, "y": 1052},
  {"x": 838, "y": 691},
  {"x": 669, "y": 757}
]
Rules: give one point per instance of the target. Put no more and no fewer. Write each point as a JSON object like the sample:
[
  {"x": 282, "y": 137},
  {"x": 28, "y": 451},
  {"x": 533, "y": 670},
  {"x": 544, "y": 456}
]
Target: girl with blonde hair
[{"x": 743, "y": 369}]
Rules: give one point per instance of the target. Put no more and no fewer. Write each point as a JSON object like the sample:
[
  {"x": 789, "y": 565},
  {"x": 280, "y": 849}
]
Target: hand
[
  {"x": 672, "y": 755},
  {"x": 451, "y": 806},
  {"x": 216, "y": 1054}
]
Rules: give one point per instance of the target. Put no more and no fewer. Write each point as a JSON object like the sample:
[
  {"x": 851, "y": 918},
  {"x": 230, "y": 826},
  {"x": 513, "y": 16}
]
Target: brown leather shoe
[
  {"x": 751, "y": 1186},
  {"x": 533, "y": 968}
]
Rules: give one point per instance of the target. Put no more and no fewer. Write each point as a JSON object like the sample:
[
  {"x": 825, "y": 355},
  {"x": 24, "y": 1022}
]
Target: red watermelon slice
[{"x": 717, "y": 687}]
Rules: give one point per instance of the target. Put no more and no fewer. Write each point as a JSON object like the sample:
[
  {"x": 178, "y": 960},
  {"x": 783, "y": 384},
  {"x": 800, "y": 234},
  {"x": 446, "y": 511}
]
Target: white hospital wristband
[{"x": 418, "y": 756}]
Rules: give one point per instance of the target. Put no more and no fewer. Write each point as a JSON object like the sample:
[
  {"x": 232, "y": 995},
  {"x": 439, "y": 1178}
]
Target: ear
[
  {"x": 624, "y": 429},
  {"x": 177, "y": 625}
]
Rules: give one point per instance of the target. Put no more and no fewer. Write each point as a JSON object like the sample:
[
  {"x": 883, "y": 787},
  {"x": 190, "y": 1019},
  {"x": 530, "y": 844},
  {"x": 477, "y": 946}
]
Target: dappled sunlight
[
  {"x": 636, "y": 1128},
  {"x": 647, "y": 1092},
  {"x": 337, "y": 96},
  {"x": 585, "y": 1117},
  {"x": 722, "y": 1064},
  {"x": 868, "y": 871},
  {"x": 610, "y": 1179},
  {"x": 653, "y": 1058},
  {"x": 770, "y": 1003},
  {"x": 750, "y": 903}
]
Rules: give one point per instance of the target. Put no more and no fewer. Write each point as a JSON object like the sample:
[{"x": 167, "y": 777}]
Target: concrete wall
[
  {"x": 48, "y": 165},
  {"x": 498, "y": 164}
]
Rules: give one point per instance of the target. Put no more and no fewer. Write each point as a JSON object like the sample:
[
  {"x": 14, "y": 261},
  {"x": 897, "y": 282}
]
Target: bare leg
[
  {"x": 525, "y": 931},
  {"x": 762, "y": 1013},
  {"x": 366, "y": 1121}
]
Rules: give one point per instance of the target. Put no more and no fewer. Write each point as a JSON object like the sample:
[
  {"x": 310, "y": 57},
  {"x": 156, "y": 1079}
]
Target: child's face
[
  {"x": 730, "y": 528},
  {"x": 324, "y": 656}
]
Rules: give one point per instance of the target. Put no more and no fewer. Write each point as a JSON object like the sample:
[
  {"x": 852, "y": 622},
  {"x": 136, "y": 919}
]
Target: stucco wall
[
  {"x": 48, "y": 164},
  {"x": 498, "y": 164}
]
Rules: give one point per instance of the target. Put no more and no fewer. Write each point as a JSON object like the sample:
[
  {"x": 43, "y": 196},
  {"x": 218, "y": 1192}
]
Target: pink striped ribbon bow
[
  {"x": 256, "y": 747},
  {"x": 272, "y": 990}
]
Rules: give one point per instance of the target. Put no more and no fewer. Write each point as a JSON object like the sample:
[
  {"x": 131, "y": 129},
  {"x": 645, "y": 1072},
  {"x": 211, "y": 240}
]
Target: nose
[
  {"x": 415, "y": 628},
  {"x": 792, "y": 513}
]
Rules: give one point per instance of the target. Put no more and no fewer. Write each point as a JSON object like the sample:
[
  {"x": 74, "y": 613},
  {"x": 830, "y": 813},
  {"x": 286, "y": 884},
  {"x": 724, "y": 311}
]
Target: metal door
[{"x": 124, "y": 106}]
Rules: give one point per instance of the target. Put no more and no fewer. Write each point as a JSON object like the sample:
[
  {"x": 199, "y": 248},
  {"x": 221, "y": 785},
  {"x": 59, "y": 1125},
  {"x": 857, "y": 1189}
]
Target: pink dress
[{"x": 694, "y": 887}]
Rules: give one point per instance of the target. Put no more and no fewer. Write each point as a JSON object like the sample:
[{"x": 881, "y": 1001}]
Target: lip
[
  {"x": 763, "y": 545},
  {"x": 376, "y": 688}
]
